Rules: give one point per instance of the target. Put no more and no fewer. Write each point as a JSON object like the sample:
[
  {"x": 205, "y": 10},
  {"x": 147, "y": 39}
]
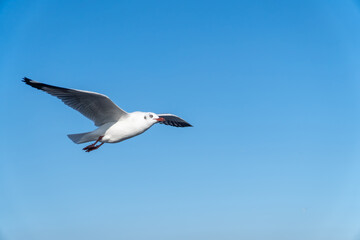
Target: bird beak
[{"x": 160, "y": 119}]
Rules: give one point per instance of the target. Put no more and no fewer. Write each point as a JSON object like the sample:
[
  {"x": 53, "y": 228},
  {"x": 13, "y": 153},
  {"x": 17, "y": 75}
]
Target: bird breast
[{"x": 123, "y": 130}]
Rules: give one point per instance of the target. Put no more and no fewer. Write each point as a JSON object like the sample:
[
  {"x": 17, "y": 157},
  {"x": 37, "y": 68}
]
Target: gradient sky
[{"x": 271, "y": 87}]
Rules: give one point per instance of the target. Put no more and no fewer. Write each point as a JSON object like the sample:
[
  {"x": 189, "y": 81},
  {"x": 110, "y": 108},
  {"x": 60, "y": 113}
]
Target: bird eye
[
  {"x": 151, "y": 116},
  {"x": 145, "y": 117}
]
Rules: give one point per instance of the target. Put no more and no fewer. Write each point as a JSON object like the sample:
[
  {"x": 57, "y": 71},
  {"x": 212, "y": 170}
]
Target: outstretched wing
[
  {"x": 95, "y": 106},
  {"x": 173, "y": 120}
]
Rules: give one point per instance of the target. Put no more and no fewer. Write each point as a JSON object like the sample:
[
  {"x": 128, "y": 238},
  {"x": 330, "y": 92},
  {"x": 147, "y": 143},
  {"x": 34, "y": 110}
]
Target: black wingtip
[
  {"x": 33, "y": 83},
  {"x": 39, "y": 85},
  {"x": 186, "y": 124},
  {"x": 26, "y": 80}
]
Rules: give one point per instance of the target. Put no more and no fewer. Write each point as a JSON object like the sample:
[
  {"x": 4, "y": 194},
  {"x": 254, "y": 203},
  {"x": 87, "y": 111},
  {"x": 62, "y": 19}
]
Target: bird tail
[{"x": 82, "y": 137}]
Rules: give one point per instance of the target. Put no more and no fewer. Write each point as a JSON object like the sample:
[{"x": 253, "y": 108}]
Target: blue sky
[{"x": 271, "y": 87}]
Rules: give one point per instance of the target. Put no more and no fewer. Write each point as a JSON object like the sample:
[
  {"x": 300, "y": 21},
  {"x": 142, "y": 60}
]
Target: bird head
[{"x": 153, "y": 118}]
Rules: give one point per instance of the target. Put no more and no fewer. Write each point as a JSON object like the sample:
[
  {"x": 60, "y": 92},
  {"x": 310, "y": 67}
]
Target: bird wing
[
  {"x": 95, "y": 106},
  {"x": 173, "y": 120}
]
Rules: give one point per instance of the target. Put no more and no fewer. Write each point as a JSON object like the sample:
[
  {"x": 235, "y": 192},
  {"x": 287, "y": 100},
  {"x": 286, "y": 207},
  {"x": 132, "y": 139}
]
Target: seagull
[{"x": 114, "y": 124}]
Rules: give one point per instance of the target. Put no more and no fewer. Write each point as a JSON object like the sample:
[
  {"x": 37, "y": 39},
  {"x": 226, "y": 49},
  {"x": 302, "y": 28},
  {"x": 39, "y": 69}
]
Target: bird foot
[{"x": 91, "y": 148}]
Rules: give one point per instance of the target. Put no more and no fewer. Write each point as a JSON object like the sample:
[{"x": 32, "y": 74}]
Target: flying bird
[{"x": 114, "y": 124}]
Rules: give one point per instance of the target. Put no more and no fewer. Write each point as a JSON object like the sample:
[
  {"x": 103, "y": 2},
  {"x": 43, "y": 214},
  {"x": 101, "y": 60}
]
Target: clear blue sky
[{"x": 272, "y": 88}]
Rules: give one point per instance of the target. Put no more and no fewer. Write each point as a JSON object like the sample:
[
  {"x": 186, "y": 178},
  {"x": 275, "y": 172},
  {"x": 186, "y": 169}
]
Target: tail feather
[{"x": 82, "y": 137}]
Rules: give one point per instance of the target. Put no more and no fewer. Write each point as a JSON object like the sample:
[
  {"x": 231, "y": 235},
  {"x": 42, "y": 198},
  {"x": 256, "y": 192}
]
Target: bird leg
[{"x": 92, "y": 147}]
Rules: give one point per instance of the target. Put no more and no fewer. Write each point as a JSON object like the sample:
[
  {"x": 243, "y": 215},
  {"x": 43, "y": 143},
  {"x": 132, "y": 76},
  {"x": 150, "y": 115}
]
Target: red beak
[{"x": 160, "y": 119}]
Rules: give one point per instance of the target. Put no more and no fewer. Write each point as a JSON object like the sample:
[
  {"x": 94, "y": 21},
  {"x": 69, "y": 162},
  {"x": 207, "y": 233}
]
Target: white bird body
[
  {"x": 114, "y": 124},
  {"x": 128, "y": 127}
]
